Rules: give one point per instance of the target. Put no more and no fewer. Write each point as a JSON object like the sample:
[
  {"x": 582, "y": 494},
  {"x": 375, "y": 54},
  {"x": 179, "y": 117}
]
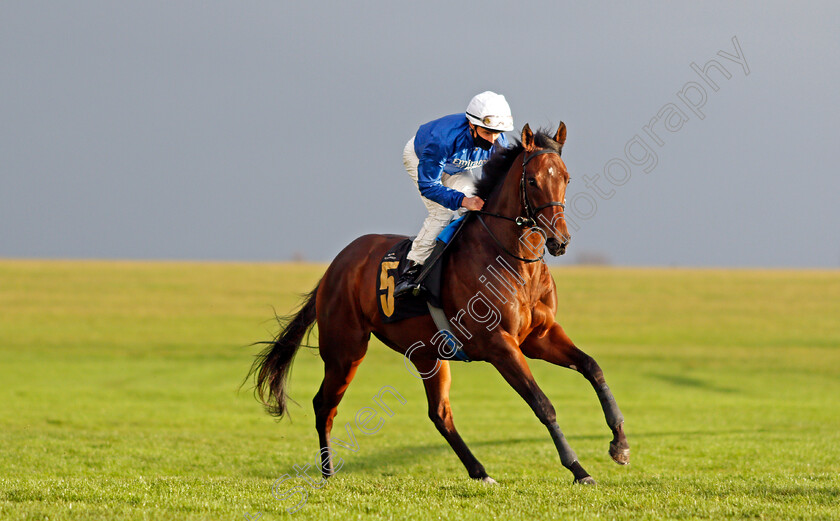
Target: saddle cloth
[{"x": 392, "y": 265}]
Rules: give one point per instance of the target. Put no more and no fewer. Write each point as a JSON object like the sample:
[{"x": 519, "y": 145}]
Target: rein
[{"x": 530, "y": 218}]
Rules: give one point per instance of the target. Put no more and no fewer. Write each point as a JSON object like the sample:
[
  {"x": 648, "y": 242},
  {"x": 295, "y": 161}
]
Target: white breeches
[{"x": 439, "y": 216}]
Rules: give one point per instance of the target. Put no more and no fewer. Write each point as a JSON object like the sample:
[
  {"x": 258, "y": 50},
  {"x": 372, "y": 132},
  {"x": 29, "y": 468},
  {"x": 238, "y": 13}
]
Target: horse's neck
[
  {"x": 483, "y": 256},
  {"x": 507, "y": 201}
]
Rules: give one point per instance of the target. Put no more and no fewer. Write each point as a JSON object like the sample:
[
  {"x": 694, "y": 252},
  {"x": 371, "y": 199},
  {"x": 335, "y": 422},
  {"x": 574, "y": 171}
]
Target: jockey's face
[{"x": 489, "y": 135}]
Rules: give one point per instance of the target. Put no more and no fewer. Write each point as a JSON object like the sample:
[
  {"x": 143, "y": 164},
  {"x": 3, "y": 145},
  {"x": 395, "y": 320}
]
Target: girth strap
[{"x": 443, "y": 325}]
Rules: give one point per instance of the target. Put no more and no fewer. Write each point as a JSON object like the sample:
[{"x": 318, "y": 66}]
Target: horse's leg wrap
[
  {"x": 619, "y": 448},
  {"x": 567, "y": 455},
  {"x": 611, "y": 411}
]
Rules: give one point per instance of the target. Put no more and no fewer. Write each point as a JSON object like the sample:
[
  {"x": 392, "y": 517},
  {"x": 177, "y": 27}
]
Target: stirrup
[
  {"x": 409, "y": 289},
  {"x": 408, "y": 283},
  {"x": 405, "y": 288}
]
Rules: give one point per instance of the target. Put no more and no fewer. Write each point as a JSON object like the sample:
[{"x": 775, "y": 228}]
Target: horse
[{"x": 524, "y": 187}]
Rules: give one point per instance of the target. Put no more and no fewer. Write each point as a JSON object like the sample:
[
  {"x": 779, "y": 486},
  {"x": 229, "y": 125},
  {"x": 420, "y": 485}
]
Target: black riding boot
[{"x": 407, "y": 284}]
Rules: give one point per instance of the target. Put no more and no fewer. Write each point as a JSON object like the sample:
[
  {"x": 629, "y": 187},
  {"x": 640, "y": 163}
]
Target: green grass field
[{"x": 118, "y": 400}]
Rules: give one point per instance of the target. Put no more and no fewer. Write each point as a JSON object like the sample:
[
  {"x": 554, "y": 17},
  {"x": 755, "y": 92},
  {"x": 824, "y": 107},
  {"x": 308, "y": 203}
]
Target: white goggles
[{"x": 494, "y": 122}]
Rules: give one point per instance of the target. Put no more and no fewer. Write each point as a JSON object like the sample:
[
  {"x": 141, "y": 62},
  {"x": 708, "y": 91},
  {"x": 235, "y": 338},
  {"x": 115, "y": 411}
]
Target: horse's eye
[
  {"x": 569, "y": 182},
  {"x": 532, "y": 182}
]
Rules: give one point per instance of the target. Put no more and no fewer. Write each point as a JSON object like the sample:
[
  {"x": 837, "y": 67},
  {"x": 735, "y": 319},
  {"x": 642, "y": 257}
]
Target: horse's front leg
[
  {"x": 556, "y": 347},
  {"x": 514, "y": 368}
]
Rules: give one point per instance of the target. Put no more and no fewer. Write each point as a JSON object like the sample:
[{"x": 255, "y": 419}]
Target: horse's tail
[{"x": 271, "y": 367}]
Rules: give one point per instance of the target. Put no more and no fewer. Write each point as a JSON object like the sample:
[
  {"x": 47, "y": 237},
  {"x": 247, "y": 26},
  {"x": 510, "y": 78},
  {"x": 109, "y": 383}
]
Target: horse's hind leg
[
  {"x": 342, "y": 353},
  {"x": 437, "y": 392},
  {"x": 557, "y": 348}
]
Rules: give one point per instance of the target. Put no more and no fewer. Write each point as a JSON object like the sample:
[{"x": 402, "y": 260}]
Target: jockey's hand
[{"x": 472, "y": 203}]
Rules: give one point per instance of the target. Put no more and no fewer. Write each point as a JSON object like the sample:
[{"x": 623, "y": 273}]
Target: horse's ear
[
  {"x": 527, "y": 138},
  {"x": 560, "y": 136}
]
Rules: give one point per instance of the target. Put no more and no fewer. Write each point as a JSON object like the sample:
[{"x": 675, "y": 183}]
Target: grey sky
[{"x": 257, "y": 130}]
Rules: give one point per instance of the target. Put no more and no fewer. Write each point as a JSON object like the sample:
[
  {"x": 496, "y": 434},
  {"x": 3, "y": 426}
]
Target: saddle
[{"x": 429, "y": 302}]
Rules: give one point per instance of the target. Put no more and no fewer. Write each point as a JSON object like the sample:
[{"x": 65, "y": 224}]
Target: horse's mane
[{"x": 496, "y": 169}]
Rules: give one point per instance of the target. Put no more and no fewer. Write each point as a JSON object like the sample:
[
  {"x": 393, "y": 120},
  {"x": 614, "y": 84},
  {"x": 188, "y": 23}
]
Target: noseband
[{"x": 530, "y": 217}]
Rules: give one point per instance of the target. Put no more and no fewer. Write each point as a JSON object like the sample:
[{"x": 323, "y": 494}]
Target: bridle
[
  {"x": 529, "y": 220},
  {"x": 532, "y": 213}
]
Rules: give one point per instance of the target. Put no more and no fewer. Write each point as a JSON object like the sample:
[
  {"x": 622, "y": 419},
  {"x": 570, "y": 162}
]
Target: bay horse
[{"x": 524, "y": 187}]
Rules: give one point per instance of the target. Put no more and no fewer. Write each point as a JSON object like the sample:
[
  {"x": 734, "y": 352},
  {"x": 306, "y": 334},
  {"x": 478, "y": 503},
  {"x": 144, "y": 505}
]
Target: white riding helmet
[{"x": 491, "y": 111}]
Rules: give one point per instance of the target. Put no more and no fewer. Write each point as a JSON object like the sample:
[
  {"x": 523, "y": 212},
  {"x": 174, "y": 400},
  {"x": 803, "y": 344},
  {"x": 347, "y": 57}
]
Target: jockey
[{"x": 444, "y": 160}]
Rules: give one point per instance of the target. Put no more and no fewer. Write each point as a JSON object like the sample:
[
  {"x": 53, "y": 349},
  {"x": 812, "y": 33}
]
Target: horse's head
[{"x": 543, "y": 186}]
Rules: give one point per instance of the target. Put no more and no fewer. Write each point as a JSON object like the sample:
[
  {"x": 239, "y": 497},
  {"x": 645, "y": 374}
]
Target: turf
[{"x": 118, "y": 400}]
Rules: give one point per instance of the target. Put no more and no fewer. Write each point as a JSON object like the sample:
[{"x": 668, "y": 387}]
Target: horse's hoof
[
  {"x": 588, "y": 480},
  {"x": 487, "y": 480},
  {"x": 619, "y": 455}
]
